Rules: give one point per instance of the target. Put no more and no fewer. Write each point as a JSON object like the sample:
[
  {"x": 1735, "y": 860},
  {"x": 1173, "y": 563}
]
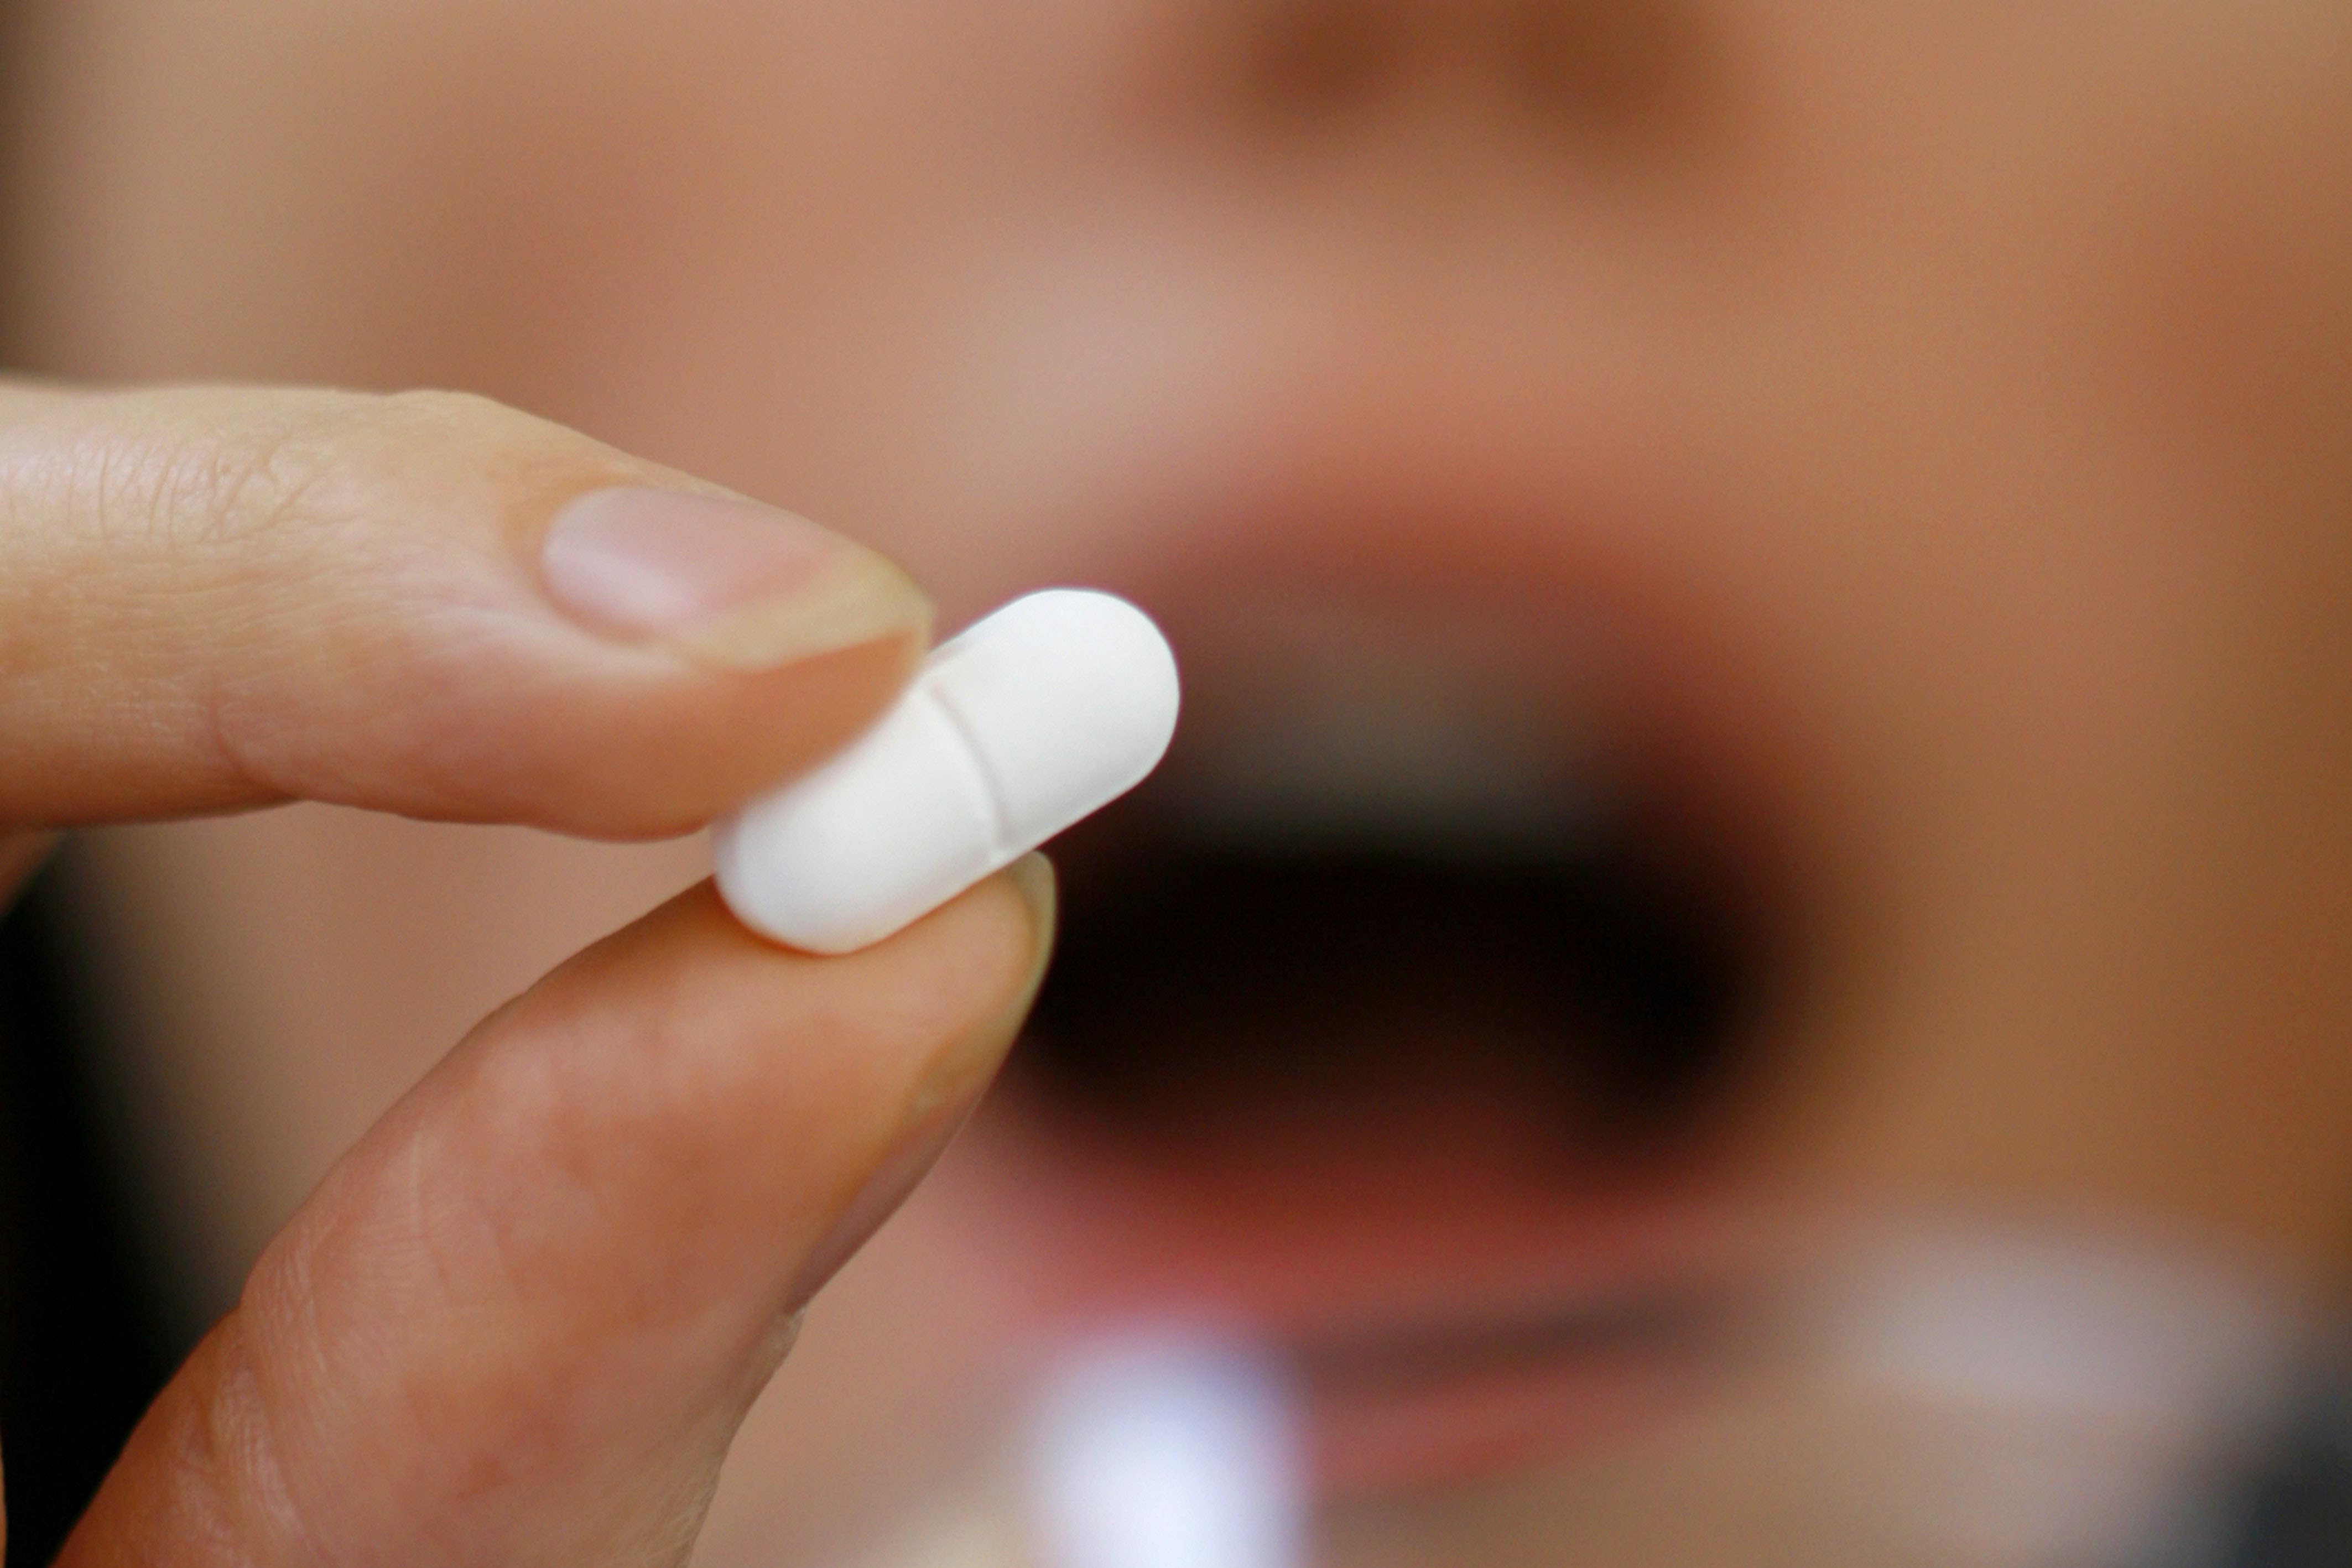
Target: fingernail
[
  {"x": 951, "y": 1090},
  {"x": 728, "y": 582}
]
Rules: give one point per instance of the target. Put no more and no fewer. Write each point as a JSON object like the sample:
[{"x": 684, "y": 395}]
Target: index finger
[{"x": 213, "y": 598}]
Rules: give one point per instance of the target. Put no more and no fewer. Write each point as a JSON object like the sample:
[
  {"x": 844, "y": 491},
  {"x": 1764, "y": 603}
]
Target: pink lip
[
  {"x": 1489, "y": 1386},
  {"x": 1455, "y": 1430},
  {"x": 1445, "y": 1321}
]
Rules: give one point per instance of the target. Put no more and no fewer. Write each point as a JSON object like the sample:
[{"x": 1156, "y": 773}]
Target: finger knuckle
[
  {"x": 223, "y": 1477},
  {"x": 237, "y": 469},
  {"x": 192, "y": 470}
]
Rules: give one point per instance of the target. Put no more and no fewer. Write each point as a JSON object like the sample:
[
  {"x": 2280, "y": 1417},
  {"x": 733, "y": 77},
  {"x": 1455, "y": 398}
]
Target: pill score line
[
  {"x": 1037, "y": 716},
  {"x": 985, "y": 789}
]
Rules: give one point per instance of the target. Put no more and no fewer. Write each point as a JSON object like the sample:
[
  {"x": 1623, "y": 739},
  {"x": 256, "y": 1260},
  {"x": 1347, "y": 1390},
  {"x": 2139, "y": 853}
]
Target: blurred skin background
[{"x": 1762, "y": 585}]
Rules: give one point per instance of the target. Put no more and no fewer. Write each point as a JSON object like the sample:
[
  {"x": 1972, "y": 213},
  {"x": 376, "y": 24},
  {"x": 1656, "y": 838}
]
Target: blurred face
[{"x": 1762, "y": 586}]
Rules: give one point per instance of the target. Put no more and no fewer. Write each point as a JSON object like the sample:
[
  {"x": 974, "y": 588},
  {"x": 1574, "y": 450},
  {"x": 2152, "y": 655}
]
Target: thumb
[{"x": 520, "y": 1322}]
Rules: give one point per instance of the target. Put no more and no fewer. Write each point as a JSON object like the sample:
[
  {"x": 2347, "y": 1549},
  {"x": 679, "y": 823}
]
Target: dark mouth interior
[{"x": 1206, "y": 981}]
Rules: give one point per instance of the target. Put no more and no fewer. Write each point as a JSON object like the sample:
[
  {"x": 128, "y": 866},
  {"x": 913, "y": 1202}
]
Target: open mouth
[
  {"x": 1420, "y": 1011},
  {"x": 1205, "y": 978}
]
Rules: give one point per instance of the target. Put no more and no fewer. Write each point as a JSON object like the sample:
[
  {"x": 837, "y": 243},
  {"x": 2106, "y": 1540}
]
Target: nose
[{"x": 1610, "y": 70}]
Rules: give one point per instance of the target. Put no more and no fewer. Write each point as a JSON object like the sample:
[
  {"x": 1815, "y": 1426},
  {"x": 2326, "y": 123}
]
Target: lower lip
[
  {"x": 1413, "y": 1307},
  {"x": 1379, "y": 1436}
]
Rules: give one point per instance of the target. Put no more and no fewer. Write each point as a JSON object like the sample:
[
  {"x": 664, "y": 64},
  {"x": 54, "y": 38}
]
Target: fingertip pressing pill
[{"x": 1035, "y": 716}]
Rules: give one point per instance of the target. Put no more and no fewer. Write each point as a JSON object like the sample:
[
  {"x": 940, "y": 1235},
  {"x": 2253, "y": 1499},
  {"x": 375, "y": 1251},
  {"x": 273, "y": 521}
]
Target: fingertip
[
  {"x": 725, "y": 581},
  {"x": 1021, "y": 901},
  {"x": 651, "y": 747}
]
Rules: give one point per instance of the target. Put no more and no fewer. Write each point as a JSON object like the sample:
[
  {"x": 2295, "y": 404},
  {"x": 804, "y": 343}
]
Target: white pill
[{"x": 1041, "y": 714}]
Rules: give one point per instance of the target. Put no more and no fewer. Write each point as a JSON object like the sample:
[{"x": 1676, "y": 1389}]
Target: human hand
[{"x": 519, "y": 1320}]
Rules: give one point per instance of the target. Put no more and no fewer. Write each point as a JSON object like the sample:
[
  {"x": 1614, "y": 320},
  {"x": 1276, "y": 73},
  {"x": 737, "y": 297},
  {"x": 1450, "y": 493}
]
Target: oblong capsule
[{"x": 1035, "y": 716}]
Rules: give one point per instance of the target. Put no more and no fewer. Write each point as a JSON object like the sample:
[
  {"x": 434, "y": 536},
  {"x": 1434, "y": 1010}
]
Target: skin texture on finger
[
  {"x": 213, "y": 598},
  {"x": 520, "y": 1322}
]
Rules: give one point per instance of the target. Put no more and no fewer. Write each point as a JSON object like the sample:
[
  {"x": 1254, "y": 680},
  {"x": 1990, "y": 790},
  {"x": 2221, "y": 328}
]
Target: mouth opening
[
  {"x": 1413, "y": 1012},
  {"x": 1596, "y": 987}
]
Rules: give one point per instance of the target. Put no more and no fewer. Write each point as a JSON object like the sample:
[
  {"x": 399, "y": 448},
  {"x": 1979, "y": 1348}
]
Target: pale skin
[
  {"x": 1974, "y": 375},
  {"x": 590, "y": 1231}
]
